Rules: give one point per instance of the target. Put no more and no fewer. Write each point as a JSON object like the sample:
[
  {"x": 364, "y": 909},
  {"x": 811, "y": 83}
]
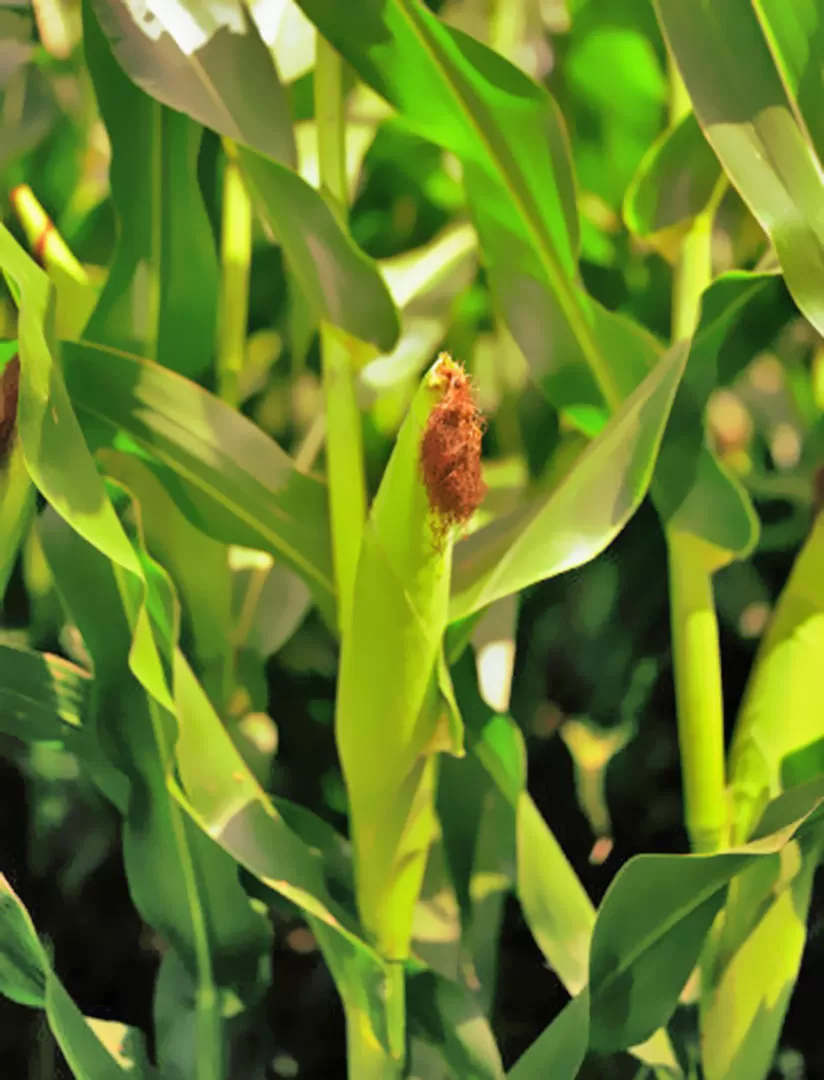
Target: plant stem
[
  {"x": 344, "y": 437},
  {"x": 331, "y": 121},
  {"x": 698, "y": 692},
  {"x": 236, "y": 258},
  {"x": 695, "y": 646}
]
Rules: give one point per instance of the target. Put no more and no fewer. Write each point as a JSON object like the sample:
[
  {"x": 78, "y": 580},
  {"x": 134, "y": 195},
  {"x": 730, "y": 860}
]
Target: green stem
[
  {"x": 695, "y": 646},
  {"x": 698, "y": 692},
  {"x": 344, "y": 436},
  {"x": 331, "y": 121},
  {"x": 236, "y": 258},
  {"x": 506, "y": 26}
]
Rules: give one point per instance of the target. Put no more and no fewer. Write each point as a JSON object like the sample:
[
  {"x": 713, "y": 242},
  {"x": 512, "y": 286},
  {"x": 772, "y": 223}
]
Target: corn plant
[{"x": 167, "y": 165}]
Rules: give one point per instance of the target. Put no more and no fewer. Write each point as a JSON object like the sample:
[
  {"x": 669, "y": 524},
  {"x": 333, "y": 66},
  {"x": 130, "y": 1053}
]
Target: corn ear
[{"x": 395, "y": 709}]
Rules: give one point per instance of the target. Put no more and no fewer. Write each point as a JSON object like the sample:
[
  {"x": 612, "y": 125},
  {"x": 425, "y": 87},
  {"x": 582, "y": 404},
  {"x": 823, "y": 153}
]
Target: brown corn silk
[{"x": 451, "y": 450}]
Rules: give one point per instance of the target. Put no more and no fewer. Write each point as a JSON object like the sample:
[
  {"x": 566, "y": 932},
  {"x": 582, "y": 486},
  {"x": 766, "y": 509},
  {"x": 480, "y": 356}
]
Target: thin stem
[
  {"x": 48, "y": 246},
  {"x": 695, "y": 646},
  {"x": 506, "y": 26},
  {"x": 344, "y": 436},
  {"x": 331, "y": 121},
  {"x": 236, "y": 259}
]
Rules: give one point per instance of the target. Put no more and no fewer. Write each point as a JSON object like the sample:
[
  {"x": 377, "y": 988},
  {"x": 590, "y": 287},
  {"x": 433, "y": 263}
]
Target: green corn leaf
[
  {"x": 161, "y": 295},
  {"x": 692, "y": 492},
  {"x": 46, "y": 698},
  {"x": 794, "y": 35},
  {"x": 181, "y": 882},
  {"x": 560, "y": 1050},
  {"x": 779, "y": 734},
  {"x": 653, "y": 922},
  {"x": 225, "y": 812},
  {"x": 555, "y": 905},
  {"x": 742, "y": 105},
  {"x": 509, "y": 136},
  {"x": 56, "y": 456},
  {"x": 747, "y": 990},
  {"x": 199, "y": 567},
  {"x": 27, "y": 976},
  {"x": 675, "y": 181},
  {"x": 189, "y": 57},
  {"x": 340, "y": 284},
  {"x": 446, "y": 1016},
  {"x": 225, "y": 474},
  {"x": 583, "y": 514},
  {"x": 41, "y": 696}
]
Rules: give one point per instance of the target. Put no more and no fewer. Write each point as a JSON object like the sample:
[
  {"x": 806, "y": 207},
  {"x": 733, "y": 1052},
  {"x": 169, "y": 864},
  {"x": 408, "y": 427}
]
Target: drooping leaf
[
  {"x": 674, "y": 182},
  {"x": 41, "y": 696},
  {"x": 160, "y": 298},
  {"x": 340, "y": 284},
  {"x": 508, "y": 134},
  {"x": 555, "y": 904},
  {"x": 181, "y": 882},
  {"x": 746, "y": 115},
  {"x": 233, "y": 482},
  {"x": 692, "y": 492},
  {"x": 188, "y": 57},
  {"x": 26, "y": 976},
  {"x": 651, "y": 927}
]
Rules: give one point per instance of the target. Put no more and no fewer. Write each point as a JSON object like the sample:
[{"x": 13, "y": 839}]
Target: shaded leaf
[
  {"x": 746, "y": 996},
  {"x": 650, "y": 930},
  {"x": 189, "y": 58},
  {"x": 674, "y": 182},
  {"x": 26, "y": 976},
  {"x": 447, "y": 1016},
  {"x": 560, "y": 1050},
  {"x": 340, "y": 284},
  {"x": 160, "y": 298}
]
